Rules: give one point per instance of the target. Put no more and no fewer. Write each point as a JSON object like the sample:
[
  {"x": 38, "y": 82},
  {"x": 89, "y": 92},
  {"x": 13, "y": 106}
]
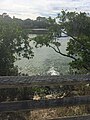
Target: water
[{"x": 45, "y": 61}]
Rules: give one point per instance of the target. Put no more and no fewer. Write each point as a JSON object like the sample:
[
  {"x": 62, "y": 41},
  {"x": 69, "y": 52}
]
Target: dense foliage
[
  {"x": 78, "y": 28},
  {"x": 13, "y": 43}
]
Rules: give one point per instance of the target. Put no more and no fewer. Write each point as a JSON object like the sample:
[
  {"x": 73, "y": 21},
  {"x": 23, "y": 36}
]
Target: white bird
[{"x": 51, "y": 71}]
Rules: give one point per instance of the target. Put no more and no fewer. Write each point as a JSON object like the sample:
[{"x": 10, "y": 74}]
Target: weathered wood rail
[
  {"x": 29, "y": 81},
  {"x": 42, "y": 104}
]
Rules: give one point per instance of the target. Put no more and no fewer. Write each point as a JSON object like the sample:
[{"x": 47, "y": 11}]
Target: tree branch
[{"x": 58, "y": 51}]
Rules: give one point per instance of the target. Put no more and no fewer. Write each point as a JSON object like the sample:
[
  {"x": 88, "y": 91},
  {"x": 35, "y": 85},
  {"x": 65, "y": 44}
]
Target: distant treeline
[{"x": 40, "y": 22}]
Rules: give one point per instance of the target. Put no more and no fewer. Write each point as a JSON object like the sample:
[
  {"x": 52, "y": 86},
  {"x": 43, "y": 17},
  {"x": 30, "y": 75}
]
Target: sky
[{"x": 33, "y": 8}]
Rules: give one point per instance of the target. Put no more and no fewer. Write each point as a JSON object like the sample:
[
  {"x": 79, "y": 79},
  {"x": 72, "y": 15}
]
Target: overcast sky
[{"x": 32, "y": 8}]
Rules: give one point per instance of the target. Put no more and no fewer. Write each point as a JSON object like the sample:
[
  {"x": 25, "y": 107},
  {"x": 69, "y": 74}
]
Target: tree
[
  {"x": 13, "y": 43},
  {"x": 77, "y": 27}
]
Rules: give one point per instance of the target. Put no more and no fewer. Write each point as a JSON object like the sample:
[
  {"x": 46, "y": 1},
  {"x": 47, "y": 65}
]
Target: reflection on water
[{"x": 45, "y": 61}]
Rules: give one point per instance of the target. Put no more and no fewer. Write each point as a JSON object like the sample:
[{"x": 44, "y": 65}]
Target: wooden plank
[
  {"x": 27, "y": 81},
  {"x": 83, "y": 117},
  {"x": 41, "y": 104}
]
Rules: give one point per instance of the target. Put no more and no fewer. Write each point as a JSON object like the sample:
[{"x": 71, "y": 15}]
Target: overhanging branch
[{"x": 58, "y": 51}]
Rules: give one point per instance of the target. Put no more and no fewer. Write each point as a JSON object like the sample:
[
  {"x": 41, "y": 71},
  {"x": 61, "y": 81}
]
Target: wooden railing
[{"x": 30, "y": 81}]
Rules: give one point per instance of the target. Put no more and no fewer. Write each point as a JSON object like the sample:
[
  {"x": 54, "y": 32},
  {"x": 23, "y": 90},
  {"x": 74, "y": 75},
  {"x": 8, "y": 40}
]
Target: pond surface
[{"x": 45, "y": 61}]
